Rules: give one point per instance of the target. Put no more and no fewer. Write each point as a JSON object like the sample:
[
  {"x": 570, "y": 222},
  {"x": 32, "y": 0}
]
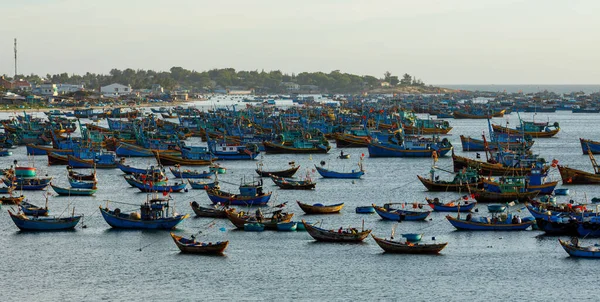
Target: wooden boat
[
  {"x": 250, "y": 195},
  {"x": 341, "y": 235},
  {"x": 333, "y": 174},
  {"x": 55, "y": 159},
  {"x": 465, "y": 115},
  {"x": 572, "y": 176},
  {"x": 318, "y": 208},
  {"x": 349, "y": 140},
  {"x": 391, "y": 246},
  {"x": 490, "y": 225},
  {"x": 365, "y": 210},
  {"x": 452, "y": 206},
  {"x": 80, "y": 176},
  {"x": 536, "y": 134},
  {"x": 154, "y": 214},
  {"x": 11, "y": 199},
  {"x": 191, "y": 246},
  {"x": 345, "y": 156},
  {"x": 388, "y": 213},
  {"x": 484, "y": 196},
  {"x": 77, "y": 162},
  {"x": 203, "y": 185},
  {"x": 271, "y": 147},
  {"x": 587, "y": 144},
  {"x": 33, "y": 210},
  {"x": 574, "y": 250},
  {"x": 217, "y": 169},
  {"x": 214, "y": 211},
  {"x": 293, "y": 184},
  {"x": 485, "y": 168},
  {"x": 282, "y": 173},
  {"x": 287, "y": 226},
  {"x": 239, "y": 219},
  {"x": 496, "y": 208},
  {"x": 178, "y": 173},
  {"x": 82, "y": 184},
  {"x": 462, "y": 181},
  {"x": 160, "y": 186},
  {"x": 73, "y": 191},
  {"x": 471, "y": 144},
  {"x": 44, "y": 223},
  {"x": 171, "y": 160}
]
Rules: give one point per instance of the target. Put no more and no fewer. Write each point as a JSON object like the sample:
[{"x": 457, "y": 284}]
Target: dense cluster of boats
[{"x": 510, "y": 173}]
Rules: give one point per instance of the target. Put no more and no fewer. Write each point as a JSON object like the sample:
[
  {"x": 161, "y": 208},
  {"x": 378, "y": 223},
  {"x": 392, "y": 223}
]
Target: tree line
[{"x": 225, "y": 78}]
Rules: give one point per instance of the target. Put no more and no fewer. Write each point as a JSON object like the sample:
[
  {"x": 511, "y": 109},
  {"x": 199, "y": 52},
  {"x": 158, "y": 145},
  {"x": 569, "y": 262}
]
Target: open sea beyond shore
[
  {"x": 98, "y": 263},
  {"x": 532, "y": 88}
]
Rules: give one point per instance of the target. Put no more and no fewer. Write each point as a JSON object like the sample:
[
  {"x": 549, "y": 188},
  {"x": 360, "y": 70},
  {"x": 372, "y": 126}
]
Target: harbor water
[{"x": 97, "y": 263}]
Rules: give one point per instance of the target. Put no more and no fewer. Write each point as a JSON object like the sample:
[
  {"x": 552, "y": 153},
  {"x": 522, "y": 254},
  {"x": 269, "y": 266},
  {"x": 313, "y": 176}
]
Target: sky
[{"x": 440, "y": 42}]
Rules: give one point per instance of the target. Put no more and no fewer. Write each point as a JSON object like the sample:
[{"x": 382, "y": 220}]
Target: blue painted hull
[
  {"x": 391, "y": 150},
  {"x": 332, "y": 174},
  {"x": 132, "y": 170},
  {"x": 73, "y": 192},
  {"x": 184, "y": 174},
  {"x": 536, "y": 213},
  {"x": 581, "y": 252},
  {"x": 239, "y": 200},
  {"x": 401, "y": 215},
  {"x": 365, "y": 210},
  {"x": 81, "y": 184},
  {"x": 146, "y": 187},
  {"x": 588, "y": 229},
  {"x": 235, "y": 156},
  {"x": 42, "y": 150},
  {"x": 286, "y": 226},
  {"x": 589, "y": 144},
  {"x": 203, "y": 185},
  {"x": 20, "y": 185},
  {"x": 129, "y": 150},
  {"x": 121, "y": 222},
  {"x": 544, "y": 189},
  {"x": 480, "y": 226},
  {"x": 46, "y": 224}
]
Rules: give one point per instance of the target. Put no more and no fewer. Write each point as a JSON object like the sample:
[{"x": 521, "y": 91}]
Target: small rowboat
[
  {"x": 390, "y": 246},
  {"x": 318, "y": 208},
  {"x": 287, "y": 226},
  {"x": 73, "y": 191},
  {"x": 32, "y": 210},
  {"x": 365, "y": 210},
  {"x": 203, "y": 185},
  {"x": 254, "y": 227},
  {"x": 400, "y": 215},
  {"x": 453, "y": 206},
  {"x": 341, "y": 235},
  {"x": 11, "y": 199},
  {"x": 496, "y": 208},
  {"x": 561, "y": 191},
  {"x": 487, "y": 225},
  {"x": 79, "y": 176},
  {"x": 574, "y": 250},
  {"x": 300, "y": 225},
  {"x": 213, "y": 211},
  {"x": 44, "y": 223},
  {"x": 283, "y": 173},
  {"x": 191, "y": 246},
  {"x": 344, "y": 156},
  {"x": 178, "y": 173}
]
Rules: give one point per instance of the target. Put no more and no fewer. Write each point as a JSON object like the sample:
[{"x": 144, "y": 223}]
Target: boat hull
[
  {"x": 479, "y": 226},
  {"x": 402, "y": 248},
  {"x": 127, "y": 223}
]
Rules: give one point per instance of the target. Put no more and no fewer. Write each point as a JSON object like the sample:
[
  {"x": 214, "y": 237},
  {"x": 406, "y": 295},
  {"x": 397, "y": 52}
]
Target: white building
[
  {"x": 115, "y": 90},
  {"x": 46, "y": 89},
  {"x": 68, "y": 88},
  {"x": 290, "y": 86}
]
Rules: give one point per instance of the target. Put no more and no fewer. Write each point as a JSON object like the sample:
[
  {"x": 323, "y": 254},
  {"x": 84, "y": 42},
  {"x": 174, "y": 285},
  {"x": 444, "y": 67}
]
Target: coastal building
[
  {"x": 4, "y": 83},
  {"x": 290, "y": 86},
  {"x": 68, "y": 88},
  {"x": 115, "y": 90},
  {"x": 179, "y": 96},
  {"x": 46, "y": 89},
  {"x": 21, "y": 85}
]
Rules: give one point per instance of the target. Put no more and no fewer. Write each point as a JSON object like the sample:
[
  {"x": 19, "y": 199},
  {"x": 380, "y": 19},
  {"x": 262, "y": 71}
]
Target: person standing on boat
[{"x": 259, "y": 215}]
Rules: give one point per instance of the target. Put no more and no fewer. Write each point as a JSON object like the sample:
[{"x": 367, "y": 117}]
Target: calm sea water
[
  {"x": 528, "y": 88},
  {"x": 98, "y": 263}
]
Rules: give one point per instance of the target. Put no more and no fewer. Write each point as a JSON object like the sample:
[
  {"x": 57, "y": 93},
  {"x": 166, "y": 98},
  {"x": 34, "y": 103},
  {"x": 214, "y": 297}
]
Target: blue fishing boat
[
  {"x": 203, "y": 185},
  {"x": 179, "y": 173},
  {"x": 496, "y": 208},
  {"x": 286, "y": 226},
  {"x": 575, "y": 250},
  {"x": 589, "y": 228},
  {"x": 452, "y": 206},
  {"x": 104, "y": 160},
  {"x": 251, "y": 194},
  {"x": 33, "y": 210},
  {"x": 535, "y": 181},
  {"x": 154, "y": 214},
  {"x": 26, "y": 223},
  {"x": 5, "y": 152},
  {"x": 388, "y": 213},
  {"x": 487, "y": 224},
  {"x": 587, "y": 144},
  {"x": 160, "y": 186},
  {"x": 558, "y": 224},
  {"x": 334, "y": 174},
  {"x": 82, "y": 184},
  {"x": 28, "y": 183},
  {"x": 73, "y": 191},
  {"x": 127, "y": 169},
  {"x": 562, "y": 192},
  {"x": 365, "y": 210},
  {"x": 409, "y": 146},
  {"x": 227, "y": 151},
  {"x": 541, "y": 210}
]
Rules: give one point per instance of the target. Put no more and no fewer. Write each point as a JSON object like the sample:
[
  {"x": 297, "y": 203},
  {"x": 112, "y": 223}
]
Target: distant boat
[
  {"x": 44, "y": 223},
  {"x": 486, "y": 224},
  {"x": 388, "y": 213},
  {"x": 73, "y": 191},
  {"x": 391, "y": 246},
  {"x": 574, "y": 250},
  {"x": 341, "y": 235},
  {"x": 334, "y": 174},
  {"x": 318, "y": 208},
  {"x": 191, "y": 246},
  {"x": 154, "y": 213},
  {"x": 281, "y": 173},
  {"x": 33, "y": 210},
  {"x": 179, "y": 173},
  {"x": 212, "y": 211}
]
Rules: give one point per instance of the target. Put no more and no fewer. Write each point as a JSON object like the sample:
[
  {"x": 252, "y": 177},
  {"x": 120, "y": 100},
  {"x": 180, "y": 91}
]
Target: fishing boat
[
  {"x": 364, "y": 210},
  {"x": 487, "y": 224},
  {"x": 224, "y": 150},
  {"x": 25, "y": 223},
  {"x": 282, "y": 173},
  {"x": 334, "y": 174},
  {"x": 536, "y": 130},
  {"x": 390, "y": 246},
  {"x": 241, "y": 218},
  {"x": 11, "y": 199},
  {"x": 73, "y": 191},
  {"x": 152, "y": 186},
  {"x": 388, "y": 213},
  {"x": 55, "y": 159},
  {"x": 214, "y": 211},
  {"x": 27, "y": 184},
  {"x": 100, "y": 161},
  {"x": 340, "y": 235},
  {"x": 452, "y": 206},
  {"x": 251, "y": 194},
  {"x": 298, "y": 146},
  {"x": 318, "y": 208},
  {"x": 80, "y": 176},
  {"x": 154, "y": 214},
  {"x": 82, "y": 184},
  {"x": 484, "y": 196},
  {"x": 463, "y": 179},
  {"x": 409, "y": 146},
  {"x": 5, "y": 152},
  {"x": 477, "y": 114},
  {"x": 587, "y": 144},
  {"x": 532, "y": 182},
  {"x": 33, "y": 210},
  {"x": 352, "y": 138},
  {"x": 191, "y": 246},
  {"x": 293, "y": 184},
  {"x": 557, "y": 224},
  {"x": 471, "y": 144},
  {"x": 492, "y": 169},
  {"x": 344, "y": 156},
  {"x": 203, "y": 185},
  {"x": 572, "y": 176},
  {"x": 171, "y": 160},
  {"x": 573, "y": 248},
  {"x": 186, "y": 173},
  {"x": 217, "y": 169},
  {"x": 127, "y": 169}
]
